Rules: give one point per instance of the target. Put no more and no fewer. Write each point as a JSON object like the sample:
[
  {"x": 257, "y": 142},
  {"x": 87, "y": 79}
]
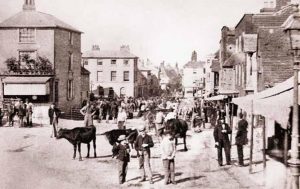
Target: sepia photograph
[{"x": 149, "y": 94}]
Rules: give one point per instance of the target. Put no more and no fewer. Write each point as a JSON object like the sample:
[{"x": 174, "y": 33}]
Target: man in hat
[
  {"x": 168, "y": 150},
  {"x": 122, "y": 152},
  {"x": 143, "y": 144},
  {"x": 221, "y": 132},
  {"x": 241, "y": 138}
]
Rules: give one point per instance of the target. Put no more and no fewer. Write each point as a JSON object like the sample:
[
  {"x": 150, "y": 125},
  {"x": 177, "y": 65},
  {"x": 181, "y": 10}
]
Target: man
[
  {"x": 122, "y": 151},
  {"x": 54, "y": 114},
  {"x": 221, "y": 132},
  {"x": 22, "y": 113},
  {"x": 168, "y": 150},
  {"x": 241, "y": 138},
  {"x": 142, "y": 145},
  {"x": 159, "y": 120},
  {"x": 121, "y": 119}
]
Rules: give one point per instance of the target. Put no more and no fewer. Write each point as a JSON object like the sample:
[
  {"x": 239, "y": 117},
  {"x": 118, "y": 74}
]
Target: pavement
[{"x": 31, "y": 159}]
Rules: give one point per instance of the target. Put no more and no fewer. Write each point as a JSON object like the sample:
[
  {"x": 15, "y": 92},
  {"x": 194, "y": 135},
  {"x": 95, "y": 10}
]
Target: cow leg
[
  {"x": 79, "y": 150},
  {"x": 75, "y": 149},
  {"x": 94, "y": 145},
  {"x": 88, "y": 150},
  {"x": 184, "y": 142},
  {"x": 176, "y": 141}
]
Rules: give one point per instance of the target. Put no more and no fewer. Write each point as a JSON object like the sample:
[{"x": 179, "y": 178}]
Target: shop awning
[
  {"x": 19, "y": 86},
  {"x": 273, "y": 103},
  {"x": 218, "y": 97}
]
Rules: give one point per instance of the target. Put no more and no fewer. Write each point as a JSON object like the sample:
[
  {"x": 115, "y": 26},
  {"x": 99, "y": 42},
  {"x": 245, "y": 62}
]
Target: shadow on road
[
  {"x": 189, "y": 179},
  {"x": 21, "y": 149}
]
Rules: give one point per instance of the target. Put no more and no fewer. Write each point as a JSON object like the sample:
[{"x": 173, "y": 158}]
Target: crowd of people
[{"x": 17, "y": 110}]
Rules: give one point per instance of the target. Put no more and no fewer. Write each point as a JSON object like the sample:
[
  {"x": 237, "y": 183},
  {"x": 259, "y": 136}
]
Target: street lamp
[{"x": 292, "y": 27}]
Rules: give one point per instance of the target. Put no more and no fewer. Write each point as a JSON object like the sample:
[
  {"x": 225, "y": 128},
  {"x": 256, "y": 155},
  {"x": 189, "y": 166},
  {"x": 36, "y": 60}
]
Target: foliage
[{"x": 40, "y": 66}]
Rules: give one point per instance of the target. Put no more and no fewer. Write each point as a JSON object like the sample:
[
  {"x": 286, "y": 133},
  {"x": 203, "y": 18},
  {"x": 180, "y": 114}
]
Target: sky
[{"x": 160, "y": 30}]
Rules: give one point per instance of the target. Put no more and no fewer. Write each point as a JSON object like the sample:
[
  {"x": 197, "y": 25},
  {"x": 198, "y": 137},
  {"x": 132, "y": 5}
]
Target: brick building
[
  {"x": 261, "y": 57},
  {"x": 30, "y": 37},
  {"x": 116, "y": 69}
]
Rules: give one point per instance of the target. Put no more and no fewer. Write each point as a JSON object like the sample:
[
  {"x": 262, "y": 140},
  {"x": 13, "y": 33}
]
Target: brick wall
[
  {"x": 276, "y": 63},
  {"x": 62, "y": 48}
]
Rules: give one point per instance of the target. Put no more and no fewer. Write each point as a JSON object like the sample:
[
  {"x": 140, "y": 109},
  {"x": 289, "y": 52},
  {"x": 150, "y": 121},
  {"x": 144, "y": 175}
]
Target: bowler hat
[{"x": 122, "y": 137}]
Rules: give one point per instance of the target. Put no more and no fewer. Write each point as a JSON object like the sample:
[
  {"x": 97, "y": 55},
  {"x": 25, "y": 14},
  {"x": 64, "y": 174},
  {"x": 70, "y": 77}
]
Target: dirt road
[{"x": 30, "y": 159}]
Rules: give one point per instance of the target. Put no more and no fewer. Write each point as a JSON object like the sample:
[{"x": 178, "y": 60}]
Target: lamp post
[{"x": 292, "y": 27}]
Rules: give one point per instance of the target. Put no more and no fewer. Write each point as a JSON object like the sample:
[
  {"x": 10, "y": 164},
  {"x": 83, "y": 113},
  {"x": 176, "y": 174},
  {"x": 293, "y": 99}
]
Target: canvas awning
[
  {"x": 19, "y": 86},
  {"x": 273, "y": 103},
  {"x": 218, "y": 97}
]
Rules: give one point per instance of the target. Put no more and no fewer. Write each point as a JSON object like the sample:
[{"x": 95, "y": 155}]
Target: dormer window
[{"x": 26, "y": 35}]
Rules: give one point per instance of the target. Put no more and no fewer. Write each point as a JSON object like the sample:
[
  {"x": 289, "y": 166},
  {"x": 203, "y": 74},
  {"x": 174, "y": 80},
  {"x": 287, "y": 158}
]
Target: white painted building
[
  {"x": 193, "y": 78},
  {"x": 116, "y": 69}
]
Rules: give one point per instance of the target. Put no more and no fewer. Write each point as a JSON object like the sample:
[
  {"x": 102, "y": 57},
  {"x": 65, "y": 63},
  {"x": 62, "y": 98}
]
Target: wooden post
[
  {"x": 251, "y": 138},
  {"x": 231, "y": 122},
  {"x": 285, "y": 153},
  {"x": 264, "y": 143}
]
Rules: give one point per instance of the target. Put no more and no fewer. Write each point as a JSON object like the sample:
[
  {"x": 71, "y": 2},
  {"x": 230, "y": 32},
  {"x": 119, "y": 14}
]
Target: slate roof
[
  {"x": 194, "y": 65},
  {"x": 84, "y": 71},
  {"x": 108, "y": 54},
  {"x": 234, "y": 59},
  {"x": 35, "y": 19}
]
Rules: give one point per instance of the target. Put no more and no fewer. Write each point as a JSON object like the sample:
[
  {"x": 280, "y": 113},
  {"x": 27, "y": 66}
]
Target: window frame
[
  {"x": 124, "y": 74},
  {"x": 101, "y": 79},
  {"x": 115, "y": 62},
  {"x": 115, "y": 76},
  {"x": 33, "y": 39}
]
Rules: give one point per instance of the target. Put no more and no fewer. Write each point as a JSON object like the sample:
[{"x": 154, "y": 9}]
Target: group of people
[
  {"x": 142, "y": 145},
  {"x": 221, "y": 136},
  {"x": 18, "y": 108}
]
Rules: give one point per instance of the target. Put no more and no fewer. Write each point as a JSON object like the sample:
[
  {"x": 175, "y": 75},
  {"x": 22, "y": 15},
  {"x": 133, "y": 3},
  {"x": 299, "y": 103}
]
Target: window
[
  {"x": 70, "y": 61},
  {"x": 70, "y": 87},
  {"x": 126, "y": 62},
  {"x": 99, "y": 75},
  {"x": 113, "y": 62},
  {"x": 126, "y": 75},
  {"x": 194, "y": 72},
  {"x": 204, "y": 70},
  {"x": 71, "y": 38},
  {"x": 85, "y": 62},
  {"x": 99, "y": 62},
  {"x": 113, "y": 76},
  {"x": 27, "y": 35}
]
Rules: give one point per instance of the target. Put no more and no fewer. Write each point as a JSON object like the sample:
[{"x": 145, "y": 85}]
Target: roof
[
  {"x": 84, "y": 71},
  {"x": 250, "y": 42},
  {"x": 35, "y": 19},
  {"x": 27, "y": 80},
  {"x": 215, "y": 66},
  {"x": 108, "y": 54},
  {"x": 234, "y": 59},
  {"x": 192, "y": 64}
]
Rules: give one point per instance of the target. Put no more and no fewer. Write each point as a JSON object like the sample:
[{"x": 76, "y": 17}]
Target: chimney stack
[
  {"x": 29, "y": 5},
  {"x": 125, "y": 48},
  {"x": 194, "y": 56},
  {"x": 95, "y": 48}
]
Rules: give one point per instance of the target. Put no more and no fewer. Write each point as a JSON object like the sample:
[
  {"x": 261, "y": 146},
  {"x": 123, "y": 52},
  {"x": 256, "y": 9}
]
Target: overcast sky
[{"x": 160, "y": 30}]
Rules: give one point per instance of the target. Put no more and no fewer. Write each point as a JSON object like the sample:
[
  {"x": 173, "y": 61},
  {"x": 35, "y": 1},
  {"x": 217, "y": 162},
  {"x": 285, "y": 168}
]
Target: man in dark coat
[
  {"x": 122, "y": 152},
  {"x": 221, "y": 132},
  {"x": 241, "y": 138},
  {"x": 143, "y": 144},
  {"x": 54, "y": 114}
]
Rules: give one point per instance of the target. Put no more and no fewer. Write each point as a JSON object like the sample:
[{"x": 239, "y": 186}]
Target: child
[{"x": 122, "y": 151}]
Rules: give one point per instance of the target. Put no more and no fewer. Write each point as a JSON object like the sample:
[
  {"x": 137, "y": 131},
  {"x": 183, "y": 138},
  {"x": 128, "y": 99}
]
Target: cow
[
  {"x": 178, "y": 129},
  {"x": 113, "y": 135},
  {"x": 79, "y": 135}
]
